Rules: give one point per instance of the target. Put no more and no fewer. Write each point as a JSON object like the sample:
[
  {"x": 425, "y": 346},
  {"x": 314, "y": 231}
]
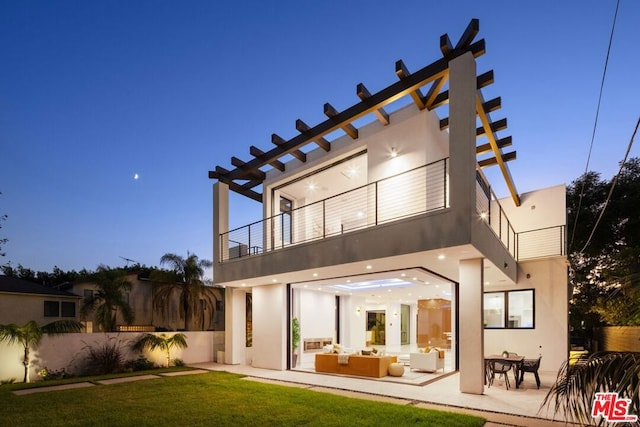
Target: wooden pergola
[{"x": 247, "y": 176}]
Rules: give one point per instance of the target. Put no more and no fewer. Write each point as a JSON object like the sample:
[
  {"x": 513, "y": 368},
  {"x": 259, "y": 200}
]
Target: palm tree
[
  {"x": 186, "y": 281},
  {"x": 162, "y": 341},
  {"x": 606, "y": 371},
  {"x": 109, "y": 298},
  {"x": 30, "y": 335}
]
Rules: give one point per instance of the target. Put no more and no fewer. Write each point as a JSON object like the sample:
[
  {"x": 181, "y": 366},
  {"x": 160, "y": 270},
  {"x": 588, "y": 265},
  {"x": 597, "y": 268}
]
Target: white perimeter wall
[{"x": 68, "y": 351}]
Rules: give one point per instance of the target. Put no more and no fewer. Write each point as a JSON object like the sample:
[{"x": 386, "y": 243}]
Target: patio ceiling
[{"x": 246, "y": 177}]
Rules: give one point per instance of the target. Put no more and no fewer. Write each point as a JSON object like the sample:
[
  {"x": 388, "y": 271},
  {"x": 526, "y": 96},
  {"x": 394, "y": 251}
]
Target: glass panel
[
  {"x": 494, "y": 310},
  {"x": 68, "y": 309},
  {"x": 51, "y": 308},
  {"x": 521, "y": 309}
]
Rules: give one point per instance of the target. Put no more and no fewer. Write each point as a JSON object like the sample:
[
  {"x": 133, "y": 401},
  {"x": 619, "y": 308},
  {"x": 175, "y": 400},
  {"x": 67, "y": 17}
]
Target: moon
[{"x": 136, "y": 176}]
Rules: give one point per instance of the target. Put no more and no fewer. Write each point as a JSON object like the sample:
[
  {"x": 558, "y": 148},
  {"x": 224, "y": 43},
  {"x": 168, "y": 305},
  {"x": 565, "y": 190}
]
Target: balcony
[
  {"x": 524, "y": 245},
  {"x": 418, "y": 191}
]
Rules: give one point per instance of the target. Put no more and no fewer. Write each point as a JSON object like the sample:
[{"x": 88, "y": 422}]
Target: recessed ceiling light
[
  {"x": 348, "y": 280},
  {"x": 244, "y": 284},
  {"x": 441, "y": 257},
  {"x": 315, "y": 274},
  {"x": 274, "y": 280},
  {"x": 403, "y": 275},
  {"x": 368, "y": 267},
  {"x": 486, "y": 283},
  {"x": 305, "y": 286},
  {"x": 427, "y": 283},
  {"x": 414, "y": 278}
]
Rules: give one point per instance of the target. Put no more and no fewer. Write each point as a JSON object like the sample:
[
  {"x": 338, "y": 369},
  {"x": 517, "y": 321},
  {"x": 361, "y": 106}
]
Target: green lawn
[{"x": 211, "y": 399}]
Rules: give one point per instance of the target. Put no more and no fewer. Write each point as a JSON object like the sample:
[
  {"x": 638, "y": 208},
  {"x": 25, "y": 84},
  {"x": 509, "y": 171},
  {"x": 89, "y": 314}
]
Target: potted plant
[{"x": 295, "y": 340}]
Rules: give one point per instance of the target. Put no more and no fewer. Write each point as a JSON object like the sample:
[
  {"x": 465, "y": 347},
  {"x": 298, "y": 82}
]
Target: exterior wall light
[{"x": 394, "y": 152}]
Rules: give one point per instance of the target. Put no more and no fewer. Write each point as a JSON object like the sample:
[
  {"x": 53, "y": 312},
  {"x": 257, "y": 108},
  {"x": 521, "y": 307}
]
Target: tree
[
  {"x": 110, "y": 297},
  {"x": 30, "y": 335},
  {"x": 163, "y": 342},
  {"x": 605, "y": 260},
  {"x": 185, "y": 281}
]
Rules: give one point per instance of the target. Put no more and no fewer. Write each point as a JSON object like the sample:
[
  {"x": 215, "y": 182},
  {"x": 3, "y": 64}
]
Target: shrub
[
  {"x": 9, "y": 381},
  {"x": 48, "y": 374},
  {"x": 178, "y": 362},
  {"x": 140, "y": 364},
  {"x": 103, "y": 359}
]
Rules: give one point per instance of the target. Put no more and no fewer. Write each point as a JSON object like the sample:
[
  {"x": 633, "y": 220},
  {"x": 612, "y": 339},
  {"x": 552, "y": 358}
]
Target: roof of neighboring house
[{"x": 19, "y": 286}]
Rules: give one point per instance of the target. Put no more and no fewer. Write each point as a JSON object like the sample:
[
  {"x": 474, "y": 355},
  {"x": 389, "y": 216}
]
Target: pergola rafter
[{"x": 434, "y": 76}]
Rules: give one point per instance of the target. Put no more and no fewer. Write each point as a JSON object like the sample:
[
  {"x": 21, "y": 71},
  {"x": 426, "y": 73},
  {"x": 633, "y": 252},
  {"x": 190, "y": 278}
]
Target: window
[
  {"x": 51, "y": 309},
  {"x": 68, "y": 309},
  {"x": 509, "y": 309}
]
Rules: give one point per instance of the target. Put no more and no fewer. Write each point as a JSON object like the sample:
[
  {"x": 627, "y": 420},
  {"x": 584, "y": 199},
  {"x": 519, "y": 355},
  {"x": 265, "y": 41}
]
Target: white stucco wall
[
  {"x": 549, "y": 338},
  {"x": 269, "y": 326}
]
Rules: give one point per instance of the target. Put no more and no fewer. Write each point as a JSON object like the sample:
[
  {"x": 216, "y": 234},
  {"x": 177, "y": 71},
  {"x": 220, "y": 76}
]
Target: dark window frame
[{"x": 506, "y": 310}]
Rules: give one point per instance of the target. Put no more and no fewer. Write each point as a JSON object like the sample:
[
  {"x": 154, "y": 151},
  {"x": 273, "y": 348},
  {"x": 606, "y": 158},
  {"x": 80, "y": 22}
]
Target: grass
[{"x": 214, "y": 398}]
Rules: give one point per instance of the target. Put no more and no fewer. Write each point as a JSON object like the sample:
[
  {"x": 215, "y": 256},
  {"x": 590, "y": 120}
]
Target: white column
[
  {"x": 462, "y": 136},
  {"x": 471, "y": 331},
  {"x": 220, "y": 220},
  {"x": 270, "y": 326},
  {"x": 235, "y": 326}
]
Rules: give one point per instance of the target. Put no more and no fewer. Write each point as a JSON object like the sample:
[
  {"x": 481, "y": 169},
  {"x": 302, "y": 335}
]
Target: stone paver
[
  {"x": 127, "y": 379},
  {"x": 52, "y": 388},
  {"x": 179, "y": 373}
]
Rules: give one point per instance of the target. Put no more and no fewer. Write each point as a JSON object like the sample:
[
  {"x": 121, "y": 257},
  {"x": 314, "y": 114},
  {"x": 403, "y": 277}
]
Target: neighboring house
[
  {"x": 387, "y": 232},
  {"x": 145, "y": 318},
  {"x": 22, "y": 301}
]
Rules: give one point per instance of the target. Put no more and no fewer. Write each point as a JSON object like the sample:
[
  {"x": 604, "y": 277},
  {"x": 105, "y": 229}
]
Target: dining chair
[
  {"x": 501, "y": 368},
  {"x": 531, "y": 365}
]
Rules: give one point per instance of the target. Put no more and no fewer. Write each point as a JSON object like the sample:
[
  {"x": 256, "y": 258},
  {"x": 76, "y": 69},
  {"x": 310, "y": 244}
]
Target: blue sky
[{"x": 93, "y": 92}]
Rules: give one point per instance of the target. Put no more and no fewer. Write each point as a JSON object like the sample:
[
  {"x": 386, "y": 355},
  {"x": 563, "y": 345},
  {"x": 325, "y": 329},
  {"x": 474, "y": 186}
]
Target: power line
[
  {"x": 595, "y": 125},
  {"x": 613, "y": 185}
]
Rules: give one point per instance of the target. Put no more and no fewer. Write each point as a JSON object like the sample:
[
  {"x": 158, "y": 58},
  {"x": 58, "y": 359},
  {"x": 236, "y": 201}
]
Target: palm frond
[{"x": 576, "y": 384}]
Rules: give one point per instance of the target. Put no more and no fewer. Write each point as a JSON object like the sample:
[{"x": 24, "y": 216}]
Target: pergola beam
[
  {"x": 304, "y": 128},
  {"x": 506, "y": 157},
  {"x": 365, "y": 95},
  {"x": 483, "y": 113},
  {"x": 402, "y": 72},
  {"x": 409, "y": 84},
  {"x": 280, "y": 142},
  {"x": 348, "y": 128},
  {"x": 501, "y": 143},
  {"x": 256, "y": 152}
]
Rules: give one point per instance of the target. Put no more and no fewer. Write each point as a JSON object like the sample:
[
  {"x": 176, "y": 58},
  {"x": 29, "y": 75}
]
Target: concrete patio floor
[{"x": 513, "y": 407}]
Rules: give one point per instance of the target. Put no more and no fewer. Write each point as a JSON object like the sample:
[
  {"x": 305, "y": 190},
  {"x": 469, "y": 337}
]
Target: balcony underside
[{"x": 410, "y": 242}]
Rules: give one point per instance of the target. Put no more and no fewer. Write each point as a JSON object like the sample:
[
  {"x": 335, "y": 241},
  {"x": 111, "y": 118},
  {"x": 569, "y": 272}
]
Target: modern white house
[{"x": 380, "y": 229}]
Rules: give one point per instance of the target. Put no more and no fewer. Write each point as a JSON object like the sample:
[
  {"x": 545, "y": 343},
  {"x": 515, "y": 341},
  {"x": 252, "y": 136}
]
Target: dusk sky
[{"x": 94, "y": 92}]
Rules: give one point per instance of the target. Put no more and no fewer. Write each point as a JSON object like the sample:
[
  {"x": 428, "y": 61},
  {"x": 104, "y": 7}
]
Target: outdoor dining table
[{"x": 515, "y": 361}]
